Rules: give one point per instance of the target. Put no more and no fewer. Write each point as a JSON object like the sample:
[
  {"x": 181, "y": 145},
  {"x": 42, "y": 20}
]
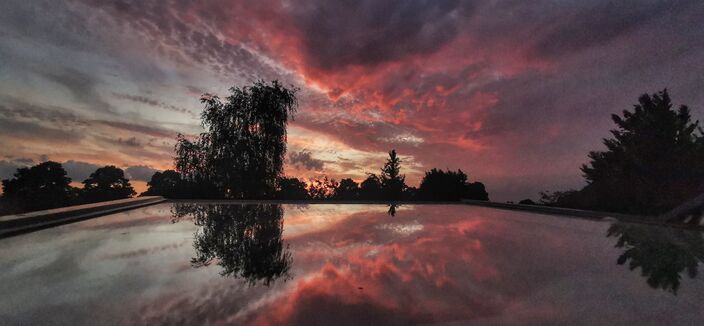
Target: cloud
[
  {"x": 22, "y": 130},
  {"x": 339, "y": 34},
  {"x": 496, "y": 88},
  {"x": 140, "y": 172},
  {"x": 150, "y": 102},
  {"x": 9, "y": 167},
  {"x": 131, "y": 142},
  {"x": 81, "y": 85},
  {"x": 78, "y": 170},
  {"x": 305, "y": 160},
  {"x": 601, "y": 22}
]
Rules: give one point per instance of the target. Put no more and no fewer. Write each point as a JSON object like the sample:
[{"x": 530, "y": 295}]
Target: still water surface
[{"x": 181, "y": 263}]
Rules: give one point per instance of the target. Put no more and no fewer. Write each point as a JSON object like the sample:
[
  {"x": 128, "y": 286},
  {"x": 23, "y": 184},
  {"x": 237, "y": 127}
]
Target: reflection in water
[
  {"x": 392, "y": 209},
  {"x": 245, "y": 240},
  {"x": 661, "y": 253}
]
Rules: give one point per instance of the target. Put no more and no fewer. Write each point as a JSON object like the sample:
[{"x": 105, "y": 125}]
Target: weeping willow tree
[{"x": 242, "y": 150}]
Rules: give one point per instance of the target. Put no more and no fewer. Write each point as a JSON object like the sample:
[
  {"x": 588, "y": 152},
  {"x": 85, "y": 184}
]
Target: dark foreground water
[{"x": 349, "y": 264}]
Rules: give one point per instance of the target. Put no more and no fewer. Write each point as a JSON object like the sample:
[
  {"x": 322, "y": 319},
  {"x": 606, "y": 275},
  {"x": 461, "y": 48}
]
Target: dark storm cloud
[
  {"x": 305, "y": 160},
  {"x": 336, "y": 34},
  {"x": 140, "y": 172},
  {"x": 603, "y": 22}
]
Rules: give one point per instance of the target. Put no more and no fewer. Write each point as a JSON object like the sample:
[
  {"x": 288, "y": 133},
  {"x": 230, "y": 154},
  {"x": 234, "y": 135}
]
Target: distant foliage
[
  {"x": 291, "y": 189},
  {"x": 347, "y": 189},
  {"x": 242, "y": 150},
  {"x": 370, "y": 188},
  {"x": 527, "y": 202},
  {"x": 107, "y": 183},
  {"x": 439, "y": 185},
  {"x": 46, "y": 186},
  {"x": 322, "y": 188},
  {"x": 42, "y": 186}
]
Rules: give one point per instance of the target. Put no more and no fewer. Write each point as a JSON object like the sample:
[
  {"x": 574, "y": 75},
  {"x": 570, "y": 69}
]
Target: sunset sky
[{"x": 515, "y": 93}]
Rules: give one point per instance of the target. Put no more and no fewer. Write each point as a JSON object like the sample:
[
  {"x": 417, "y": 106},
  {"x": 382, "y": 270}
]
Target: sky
[{"x": 514, "y": 93}]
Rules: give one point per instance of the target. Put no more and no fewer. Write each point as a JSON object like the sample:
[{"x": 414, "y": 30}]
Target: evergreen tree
[
  {"x": 392, "y": 182},
  {"x": 652, "y": 163}
]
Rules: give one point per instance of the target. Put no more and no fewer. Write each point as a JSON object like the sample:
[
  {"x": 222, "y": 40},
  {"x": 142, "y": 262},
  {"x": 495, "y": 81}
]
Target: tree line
[
  {"x": 652, "y": 163},
  {"x": 46, "y": 186},
  {"x": 389, "y": 185},
  {"x": 240, "y": 155}
]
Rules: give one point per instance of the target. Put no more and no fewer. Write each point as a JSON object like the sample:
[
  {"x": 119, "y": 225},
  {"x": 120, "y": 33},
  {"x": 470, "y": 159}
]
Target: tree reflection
[
  {"x": 661, "y": 253},
  {"x": 245, "y": 240},
  {"x": 392, "y": 209}
]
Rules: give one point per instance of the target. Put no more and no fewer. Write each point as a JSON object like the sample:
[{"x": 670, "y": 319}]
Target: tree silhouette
[
  {"x": 322, "y": 188},
  {"x": 107, "y": 183},
  {"x": 370, "y": 188},
  {"x": 165, "y": 184},
  {"x": 244, "y": 240},
  {"x": 42, "y": 186},
  {"x": 439, "y": 185},
  {"x": 652, "y": 163},
  {"x": 348, "y": 189},
  {"x": 527, "y": 201},
  {"x": 291, "y": 188},
  {"x": 662, "y": 254},
  {"x": 392, "y": 182},
  {"x": 242, "y": 150}
]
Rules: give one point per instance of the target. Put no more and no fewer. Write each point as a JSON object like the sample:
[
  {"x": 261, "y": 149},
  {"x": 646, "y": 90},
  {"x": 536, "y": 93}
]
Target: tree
[
  {"x": 370, "y": 188},
  {"x": 107, "y": 183},
  {"x": 652, "y": 163},
  {"x": 322, "y": 188},
  {"x": 42, "y": 186},
  {"x": 242, "y": 149},
  {"x": 167, "y": 184},
  {"x": 291, "y": 189},
  {"x": 527, "y": 201},
  {"x": 439, "y": 185},
  {"x": 348, "y": 189},
  {"x": 567, "y": 198},
  {"x": 392, "y": 182}
]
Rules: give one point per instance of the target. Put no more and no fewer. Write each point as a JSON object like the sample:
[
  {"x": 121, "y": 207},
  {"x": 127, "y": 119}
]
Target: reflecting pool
[{"x": 218, "y": 263}]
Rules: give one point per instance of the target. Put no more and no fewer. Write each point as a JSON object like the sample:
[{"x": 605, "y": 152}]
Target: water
[{"x": 349, "y": 264}]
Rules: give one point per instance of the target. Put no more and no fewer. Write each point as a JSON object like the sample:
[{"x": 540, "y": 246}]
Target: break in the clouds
[{"x": 515, "y": 93}]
